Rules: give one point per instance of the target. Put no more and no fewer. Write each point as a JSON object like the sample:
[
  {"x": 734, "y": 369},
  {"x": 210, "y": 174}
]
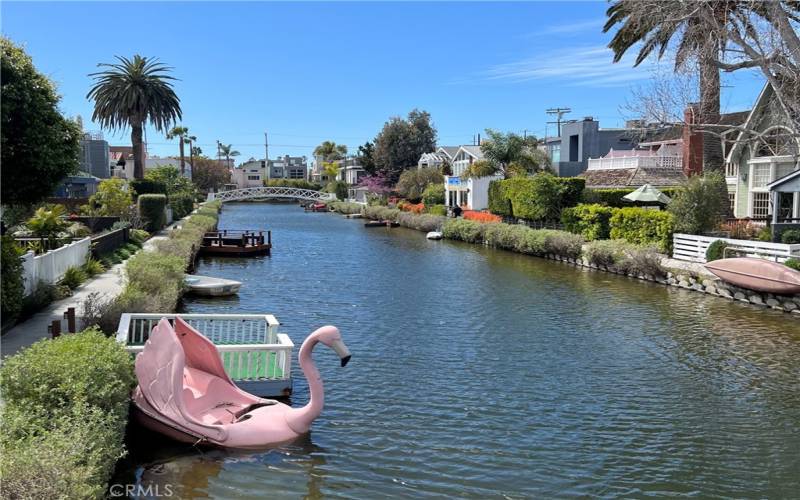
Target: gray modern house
[
  {"x": 584, "y": 139},
  {"x": 94, "y": 155}
]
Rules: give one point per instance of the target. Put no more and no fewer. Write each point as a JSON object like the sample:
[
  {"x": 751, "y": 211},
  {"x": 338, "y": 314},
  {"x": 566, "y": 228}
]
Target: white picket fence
[
  {"x": 50, "y": 267},
  {"x": 692, "y": 247}
]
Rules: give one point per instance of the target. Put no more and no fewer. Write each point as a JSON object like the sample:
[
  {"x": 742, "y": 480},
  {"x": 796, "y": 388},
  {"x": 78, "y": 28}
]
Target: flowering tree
[{"x": 378, "y": 184}]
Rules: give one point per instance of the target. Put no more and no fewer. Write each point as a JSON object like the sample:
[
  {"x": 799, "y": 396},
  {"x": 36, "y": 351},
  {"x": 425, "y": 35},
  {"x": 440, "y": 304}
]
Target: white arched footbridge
[{"x": 263, "y": 192}]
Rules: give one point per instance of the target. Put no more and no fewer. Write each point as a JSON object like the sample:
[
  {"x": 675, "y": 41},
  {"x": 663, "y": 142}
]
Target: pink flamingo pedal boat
[{"x": 185, "y": 393}]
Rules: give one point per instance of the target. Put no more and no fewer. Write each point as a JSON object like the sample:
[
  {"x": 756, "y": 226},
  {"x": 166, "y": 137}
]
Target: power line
[{"x": 559, "y": 113}]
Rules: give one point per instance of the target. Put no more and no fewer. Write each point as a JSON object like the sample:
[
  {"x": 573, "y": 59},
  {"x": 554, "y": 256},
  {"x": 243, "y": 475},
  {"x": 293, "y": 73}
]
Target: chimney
[{"x": 692, "y": 142}]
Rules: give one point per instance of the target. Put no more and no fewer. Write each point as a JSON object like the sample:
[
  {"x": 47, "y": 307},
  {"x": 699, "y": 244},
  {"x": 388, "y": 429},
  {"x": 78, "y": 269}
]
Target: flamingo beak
[{"x": 342, "y": 351}]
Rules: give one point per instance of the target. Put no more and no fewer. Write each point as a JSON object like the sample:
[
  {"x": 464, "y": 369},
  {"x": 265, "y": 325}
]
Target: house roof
[
  {"x": 474, "y": 151},
  {"x": 737, "y": 118},
  {"x": 633, "y": 177},
  {"x": 791, "y": 176},
  {"x": 761, "y": 101},
  {"x": 450, "y": 151},
  {"x": 669, "y": 133}
]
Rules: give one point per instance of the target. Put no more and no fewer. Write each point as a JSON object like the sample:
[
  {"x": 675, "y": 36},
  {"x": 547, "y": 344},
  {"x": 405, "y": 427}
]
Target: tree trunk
[
  {"x": 138, "y": 151},
  {"x": 191, "y": 155},
  {"x": 183, "y": 162},
  {"x": 709, "y": 114}
]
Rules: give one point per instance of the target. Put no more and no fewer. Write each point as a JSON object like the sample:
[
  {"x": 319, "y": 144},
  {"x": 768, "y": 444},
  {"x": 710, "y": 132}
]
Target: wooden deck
[{"x": 237, "y": 243}]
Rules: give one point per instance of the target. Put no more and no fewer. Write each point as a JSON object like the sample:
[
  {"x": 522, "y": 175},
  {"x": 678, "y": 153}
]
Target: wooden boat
[
  {"x": 210, "y": 286},
  {"x": 236, "y": 243},
  {"x": 757, "y": 274},
  {"x": 434, "y": 235},
  {"x": 381, "y": 223}
]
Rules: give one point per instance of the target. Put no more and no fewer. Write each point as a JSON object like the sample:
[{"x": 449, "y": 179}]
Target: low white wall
[
  {"x": 50, "y": 267},
  {"x": 692, "y": 247}
]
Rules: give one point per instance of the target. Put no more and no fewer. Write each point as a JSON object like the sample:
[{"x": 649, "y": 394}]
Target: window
[
  {"x": 777, "y": 142},
  {"x": 253, "y": 178},
  {"x": 760, "y": 205},
  {"x": 761, "y": 175},
  {"x": 555, "y": 153},
  {"x": 732, "y": 202},
  {"x": 573, "y": 148},
  {"x": 732, "y": 169}
]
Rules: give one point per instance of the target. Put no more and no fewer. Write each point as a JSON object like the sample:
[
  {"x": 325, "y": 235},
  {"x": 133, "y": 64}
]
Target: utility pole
[
  {"x": 266, "y": 156},
  {"x": 559, "y": 113}
]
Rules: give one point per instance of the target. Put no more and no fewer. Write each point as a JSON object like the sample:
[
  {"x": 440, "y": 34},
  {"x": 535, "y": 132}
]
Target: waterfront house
[
  {"x": 249, "y": 174},
  {"x": 351, "y": 172},
  {"x": 443, "y": 155},
  {"x": 471, "y": 193},
  {"x": 764, "y": 159},
  {"x": 80, "y": 185},
  {"x": 287, "y": 167},
  {"x": 581, "y": 140}
]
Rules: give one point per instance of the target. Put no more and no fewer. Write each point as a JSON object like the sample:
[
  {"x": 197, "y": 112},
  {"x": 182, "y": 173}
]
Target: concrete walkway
[{"x": 108, "y": 285}]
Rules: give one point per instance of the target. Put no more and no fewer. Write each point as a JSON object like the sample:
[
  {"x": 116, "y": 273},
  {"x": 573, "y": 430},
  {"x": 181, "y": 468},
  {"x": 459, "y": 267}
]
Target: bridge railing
[{"x": 271, "y": 192}]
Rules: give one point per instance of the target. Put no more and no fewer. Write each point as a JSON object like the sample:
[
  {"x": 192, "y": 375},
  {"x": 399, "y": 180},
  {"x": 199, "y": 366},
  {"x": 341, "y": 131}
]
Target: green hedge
[
  {"x": 151, "y": 208},
  {"x": 515, "y": 237},
  {"x": 436, "y": 209},
  {"x": 433, "y": 195},
  {"x": 182, "y": 205},
  {"x": 612, "y": 197},
  {"x": 295, "y": 183},
  {"x": 13, "y": 285},
  {"x": 148, "y": 186},
  {"x": 643, "y": 226},
  {"x": 345, "y": 207},
  {"x": 64, "y": 415},
  {"x": 590, "y": 221},
  {"x": 538, "y": 197}
]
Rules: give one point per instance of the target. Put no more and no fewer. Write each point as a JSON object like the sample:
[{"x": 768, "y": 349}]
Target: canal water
[{"x": 480, "y": 373}]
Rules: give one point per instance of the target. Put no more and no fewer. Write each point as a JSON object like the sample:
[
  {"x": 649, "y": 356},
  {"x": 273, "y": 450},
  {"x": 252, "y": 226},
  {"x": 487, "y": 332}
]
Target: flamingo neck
[{"x": 300, "y": 419}]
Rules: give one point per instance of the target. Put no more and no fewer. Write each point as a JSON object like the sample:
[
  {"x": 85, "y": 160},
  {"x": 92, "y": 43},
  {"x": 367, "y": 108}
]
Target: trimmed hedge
[
  {"x": 514, "y": 237},
  {"x": 590, "y": 221},
  {"x": 643, "y": 226},
  {"x": 295, "y": 183},
  {"x": 64, "y": 416},
  {"x": 148, "y": 186},
  {"x": 538, "y": 197},
  {"x": 436, "y": 209},
  {"x": 182, "y": 205},
  {"x": 612, "y": 197},
  {"x": 13, "y": 285},
  {"x": 716, "y": 250},
  {"x": 344, "y": 207},
  {"x": 151, "y": 208}
]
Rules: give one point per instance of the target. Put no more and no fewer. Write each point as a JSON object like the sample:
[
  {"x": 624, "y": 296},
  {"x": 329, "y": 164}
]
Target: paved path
[{"x": 108, "y": 285}]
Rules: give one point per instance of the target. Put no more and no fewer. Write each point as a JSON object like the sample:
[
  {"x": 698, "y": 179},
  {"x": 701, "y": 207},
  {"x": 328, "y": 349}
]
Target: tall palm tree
[
  {"x": 228, "y": 151},
  {"x": 190, "y": 140},
  {"x": 131, "y": 92},
  {"x": 179, "y": 132},
  {"x": 655, "y": 23},
  {"x": 330, "y": 151}
]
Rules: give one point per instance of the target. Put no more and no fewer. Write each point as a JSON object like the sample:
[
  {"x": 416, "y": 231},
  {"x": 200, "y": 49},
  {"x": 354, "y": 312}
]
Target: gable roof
[
  {"x": 761, "y": 101},
  {"x": 449, "y": 151},
  {"x": 474, "y": 151}
]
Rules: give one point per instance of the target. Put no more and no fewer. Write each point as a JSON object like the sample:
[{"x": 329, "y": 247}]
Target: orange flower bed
[
  {"x": 481, "y": 216},
  {"x": 416, "y": 209}
]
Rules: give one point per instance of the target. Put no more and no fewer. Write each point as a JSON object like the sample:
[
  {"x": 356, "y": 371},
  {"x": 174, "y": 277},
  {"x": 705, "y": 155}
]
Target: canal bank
[{"x": 480, "y": 372}]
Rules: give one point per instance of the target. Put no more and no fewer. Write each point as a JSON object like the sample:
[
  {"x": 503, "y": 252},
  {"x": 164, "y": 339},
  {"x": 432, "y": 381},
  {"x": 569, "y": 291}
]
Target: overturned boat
[
  {"x": 210, "y": 286},
  {"x": 757, "y": 274},
  {"x": 185, "y": 393}
]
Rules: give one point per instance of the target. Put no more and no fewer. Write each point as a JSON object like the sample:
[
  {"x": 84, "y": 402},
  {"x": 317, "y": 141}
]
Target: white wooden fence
[
  {"x": 693, "y": 248},
  {"x": 50, "y": 267}
]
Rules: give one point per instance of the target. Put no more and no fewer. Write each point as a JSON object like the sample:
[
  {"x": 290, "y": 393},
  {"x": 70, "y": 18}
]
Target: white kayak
[
  {"x": 210, "y": 286},
  {"x": 434, "y": 235}
]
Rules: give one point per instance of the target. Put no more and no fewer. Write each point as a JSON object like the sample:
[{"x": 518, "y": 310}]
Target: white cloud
[
  {"x": 595, "y": 24},
  {"x": 579, "y": 66}
]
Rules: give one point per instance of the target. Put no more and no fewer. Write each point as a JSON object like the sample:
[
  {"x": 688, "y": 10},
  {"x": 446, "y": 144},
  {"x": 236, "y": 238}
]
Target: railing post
[
  {"x": 55, "y": 328},
  {"x": 70, "y": 317}
]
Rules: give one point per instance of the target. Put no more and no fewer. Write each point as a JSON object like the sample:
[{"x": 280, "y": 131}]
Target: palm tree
[
  {"x": 330, "y": 151},
  {"x": 227, "y": 151},
  {"x": 654, "y": 24},
  {"x": 131, "y": 92},
  {"x": 179, "y": 132},
  {"x": 190, "y": 140}
]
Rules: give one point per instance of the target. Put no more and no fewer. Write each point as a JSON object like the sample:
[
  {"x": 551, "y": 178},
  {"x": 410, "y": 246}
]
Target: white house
[
  {"x": 765, "y": 154},
  {"x": 124, "y": 169},
  {"x": 249, "y": 174},
  {"x": 472, "y": 193},
  {"x": 351, "y": 173}
]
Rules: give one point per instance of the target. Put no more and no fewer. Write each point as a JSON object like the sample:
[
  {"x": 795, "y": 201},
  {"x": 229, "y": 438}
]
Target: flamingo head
[{"x": 330, "y": 336}]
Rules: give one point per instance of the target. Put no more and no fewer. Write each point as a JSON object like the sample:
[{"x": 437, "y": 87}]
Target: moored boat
[
  {"x": 316, "y": 207},
  {"x": 434, "y": 235},
  {"x": 211, "y": 286},
  {"x": 757, "y": 274},
  {"x": 184, "y": 392},
  {"x": 236, "y": 243},
  {"x": 381, "y": 223}
]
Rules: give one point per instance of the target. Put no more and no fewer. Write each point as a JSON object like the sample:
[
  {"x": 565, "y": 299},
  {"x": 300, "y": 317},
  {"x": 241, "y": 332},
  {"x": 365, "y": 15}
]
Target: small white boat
[
  {"x": 434, "y": 235},
  {"x": 210, "y": 286}
]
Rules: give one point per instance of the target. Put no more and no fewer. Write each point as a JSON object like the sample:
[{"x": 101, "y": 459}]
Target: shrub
[
  {"x": 499, "y": 201},
  {"x": 701, "y": 205},
  {"x": 120, "y": 224},
  {"x": 437, "y": 210},
  {"x": 463, "y": 230},
  {"x": 43, "y": 294},
  {"x": 414, "y": 181},
  {"x": 122, "y": 253},
  {"x": 151, "y": 208},
  {"x": 73, "y": 278},
  {"x": 113, "y": 198},
  {"x": 792, "y": 263},
  {"x": 790, "y": 236},
  {"x": 505, "y": 236},
  {"x": 421, "y": 222},
  {"x": 605, "y": 252},
  {"x": 716, "y": 250},
  {"x": 415, "y": 208},
  {"x": 339, "y": 188},
  {"x": 148, "y": 186},
  {"x": 345, "y": 207},
  {"x": 139, "y": 236},
  {"x": 433, "y": 194},
  {"x": 64, "y": 414},
  {"x": 78, "y": 230},
  {"x": 542, "y": 196},
  {"x": 764, "y": 234},
  {"x": 642, "y": 226},
  {"x": 562, "y": 243},
  {"x": 613, "y": 197},
  {"x": 93, "y": 267},
  {"x": 13, "y": 282},
  {"x": 182, "y": 205},
  {"x": 377, "y": 212},
  {"x": 642, "y": 261},
  {"x": 481, "y": 216},
  {"x": 590, "y": 221}
]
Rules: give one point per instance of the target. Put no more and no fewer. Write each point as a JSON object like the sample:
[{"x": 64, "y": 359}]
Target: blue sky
[{"x": 306, "y": 72}]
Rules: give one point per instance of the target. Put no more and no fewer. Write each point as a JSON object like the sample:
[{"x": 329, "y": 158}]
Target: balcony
[{"x": 625, "y": 162}]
